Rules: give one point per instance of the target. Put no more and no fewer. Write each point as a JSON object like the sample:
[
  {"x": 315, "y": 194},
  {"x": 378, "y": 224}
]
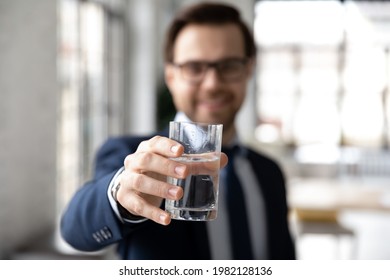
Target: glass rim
[{"x": 197, "y": 123}]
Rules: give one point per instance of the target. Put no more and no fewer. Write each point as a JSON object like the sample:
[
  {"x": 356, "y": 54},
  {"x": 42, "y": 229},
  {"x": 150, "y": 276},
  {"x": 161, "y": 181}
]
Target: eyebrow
[{"x": 211, "y": 61}]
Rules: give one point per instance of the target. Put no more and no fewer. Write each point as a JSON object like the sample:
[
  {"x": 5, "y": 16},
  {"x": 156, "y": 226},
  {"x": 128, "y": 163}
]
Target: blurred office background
[{"x": 73, "y": 73}]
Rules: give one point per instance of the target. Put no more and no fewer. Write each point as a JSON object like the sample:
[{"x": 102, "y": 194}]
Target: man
[{"x": 209, "y": 58}]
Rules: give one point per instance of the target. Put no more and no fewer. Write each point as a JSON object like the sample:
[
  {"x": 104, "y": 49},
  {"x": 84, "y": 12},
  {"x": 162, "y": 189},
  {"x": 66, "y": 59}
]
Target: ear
[
  {"x": 169, "y": 75},
  {"x": 251, "y": 66}
]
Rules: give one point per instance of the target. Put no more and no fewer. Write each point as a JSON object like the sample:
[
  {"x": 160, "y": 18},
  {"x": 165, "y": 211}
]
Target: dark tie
[{"x": 238, "y": 218}]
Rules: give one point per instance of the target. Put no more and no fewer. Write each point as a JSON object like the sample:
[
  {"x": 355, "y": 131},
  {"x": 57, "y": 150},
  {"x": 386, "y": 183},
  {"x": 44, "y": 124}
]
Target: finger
[
  {"x": 210, "y": 164},
  {"x": 137, "y": 205},
  {"x": 143, "y": 162},
  {"x": 146, "y": 185},
  {"x": 161, "y": 145},
  {"x": 223, "y": 160}
]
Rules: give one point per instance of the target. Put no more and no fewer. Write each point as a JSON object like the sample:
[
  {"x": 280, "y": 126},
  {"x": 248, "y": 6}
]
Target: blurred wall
[
  {"x": 28, "y": 92},
  {"x": 29, "y": 103}
]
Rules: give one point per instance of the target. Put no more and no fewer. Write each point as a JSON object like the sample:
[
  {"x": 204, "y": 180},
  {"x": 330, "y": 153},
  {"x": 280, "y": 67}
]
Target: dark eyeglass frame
[{"x": 219, "y": 66}]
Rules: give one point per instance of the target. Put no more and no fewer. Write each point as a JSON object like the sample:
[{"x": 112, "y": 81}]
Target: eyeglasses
[{"x": 228, "y": 70}]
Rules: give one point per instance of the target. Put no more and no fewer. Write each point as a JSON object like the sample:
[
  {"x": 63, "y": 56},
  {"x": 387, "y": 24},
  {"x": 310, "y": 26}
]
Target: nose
[{"x": 211, "y": 78}]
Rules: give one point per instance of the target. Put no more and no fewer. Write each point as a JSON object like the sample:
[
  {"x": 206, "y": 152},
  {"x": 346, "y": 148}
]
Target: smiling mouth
[{"x": 213, "y": 104}]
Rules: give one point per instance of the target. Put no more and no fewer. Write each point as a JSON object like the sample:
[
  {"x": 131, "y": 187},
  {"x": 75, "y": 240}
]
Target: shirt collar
[{"x": 181, "y": 117}]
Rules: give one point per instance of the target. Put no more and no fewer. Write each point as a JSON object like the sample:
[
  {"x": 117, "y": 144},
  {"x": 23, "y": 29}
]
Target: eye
[
  {"x": 193, "y": 68},
  {"x": 230, "y": 66}
]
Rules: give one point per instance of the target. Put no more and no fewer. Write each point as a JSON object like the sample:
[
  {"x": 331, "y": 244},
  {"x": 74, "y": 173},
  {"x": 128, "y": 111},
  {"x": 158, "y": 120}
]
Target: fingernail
[
  {"x": 174, "y": 149},
  {"x": 173, "y": 192},
  {"x": 163, "y": 218},
  {"x": 179, "y": 170}
]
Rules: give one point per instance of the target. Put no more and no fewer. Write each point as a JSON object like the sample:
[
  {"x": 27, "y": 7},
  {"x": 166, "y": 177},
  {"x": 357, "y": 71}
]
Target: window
[
  {"x": 91, "y": 66},
  {"x": 323, "y": 72}
]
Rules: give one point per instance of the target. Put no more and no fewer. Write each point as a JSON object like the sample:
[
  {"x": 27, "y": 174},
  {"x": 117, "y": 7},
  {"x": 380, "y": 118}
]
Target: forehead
[{"x": 208, "y": 42}]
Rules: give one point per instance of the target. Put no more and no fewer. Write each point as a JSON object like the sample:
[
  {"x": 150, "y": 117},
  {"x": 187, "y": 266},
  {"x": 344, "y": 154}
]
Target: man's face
[{"x": 213, "y": 98}]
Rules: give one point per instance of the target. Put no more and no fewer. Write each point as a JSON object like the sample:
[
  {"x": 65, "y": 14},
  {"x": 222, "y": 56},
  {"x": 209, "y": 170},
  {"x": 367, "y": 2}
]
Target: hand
[{"x": 143, "y": 182}]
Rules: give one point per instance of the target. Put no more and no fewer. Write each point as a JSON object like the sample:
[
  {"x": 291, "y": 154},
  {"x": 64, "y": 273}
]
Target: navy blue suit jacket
[{"x": 89, "y": 223}]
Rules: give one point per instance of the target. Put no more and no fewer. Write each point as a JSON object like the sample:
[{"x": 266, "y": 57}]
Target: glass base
[{"x": 192, "y": 215}]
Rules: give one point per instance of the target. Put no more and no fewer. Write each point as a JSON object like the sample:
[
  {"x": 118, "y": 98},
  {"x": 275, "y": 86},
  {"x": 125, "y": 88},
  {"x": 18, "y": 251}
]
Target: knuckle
[
  {"x": 143, "y": 145},
  {"x": 155, "y": 139},
  {"x": 145, "y": 158},
  {"x": 138, "y": 207},
  {"x": 138, "y": 161},
  {"x": 136, "y": 181},
  {"x": 148, "y": 144},
  {"x": 128, "y": 160},
  {"x": 161, "y": 190}
]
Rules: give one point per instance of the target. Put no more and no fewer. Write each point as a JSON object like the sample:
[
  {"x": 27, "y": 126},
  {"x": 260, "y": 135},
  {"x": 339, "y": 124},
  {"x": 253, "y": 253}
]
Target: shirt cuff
[{"x": 114, "y": 204}]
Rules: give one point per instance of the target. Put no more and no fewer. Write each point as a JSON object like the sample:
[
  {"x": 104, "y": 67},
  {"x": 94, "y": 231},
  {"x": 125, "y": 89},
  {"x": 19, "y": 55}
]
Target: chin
[
  {"x": 216, "y": 120},
  {"x": 214, "y": 116}
]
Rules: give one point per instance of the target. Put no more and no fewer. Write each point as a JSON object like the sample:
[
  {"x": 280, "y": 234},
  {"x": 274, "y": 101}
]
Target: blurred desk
[
  {"x": 317, "y": 203},
  {"x": 333, "y": 195}
]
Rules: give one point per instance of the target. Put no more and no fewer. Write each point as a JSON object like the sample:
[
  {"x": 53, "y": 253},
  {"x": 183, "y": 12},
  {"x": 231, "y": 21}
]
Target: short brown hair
[{"x": 207, "y": 13}]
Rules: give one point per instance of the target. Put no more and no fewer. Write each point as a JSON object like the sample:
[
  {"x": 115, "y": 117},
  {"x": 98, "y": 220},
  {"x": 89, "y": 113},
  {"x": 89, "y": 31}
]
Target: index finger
[{"x": 161, "y": 145}]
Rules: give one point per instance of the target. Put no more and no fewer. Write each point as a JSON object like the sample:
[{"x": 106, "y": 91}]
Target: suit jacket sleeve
[{"x": 89, "y": 223}]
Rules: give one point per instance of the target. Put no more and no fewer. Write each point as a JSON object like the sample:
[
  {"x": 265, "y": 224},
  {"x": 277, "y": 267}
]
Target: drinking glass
[{"x": 202, "y": 150}]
